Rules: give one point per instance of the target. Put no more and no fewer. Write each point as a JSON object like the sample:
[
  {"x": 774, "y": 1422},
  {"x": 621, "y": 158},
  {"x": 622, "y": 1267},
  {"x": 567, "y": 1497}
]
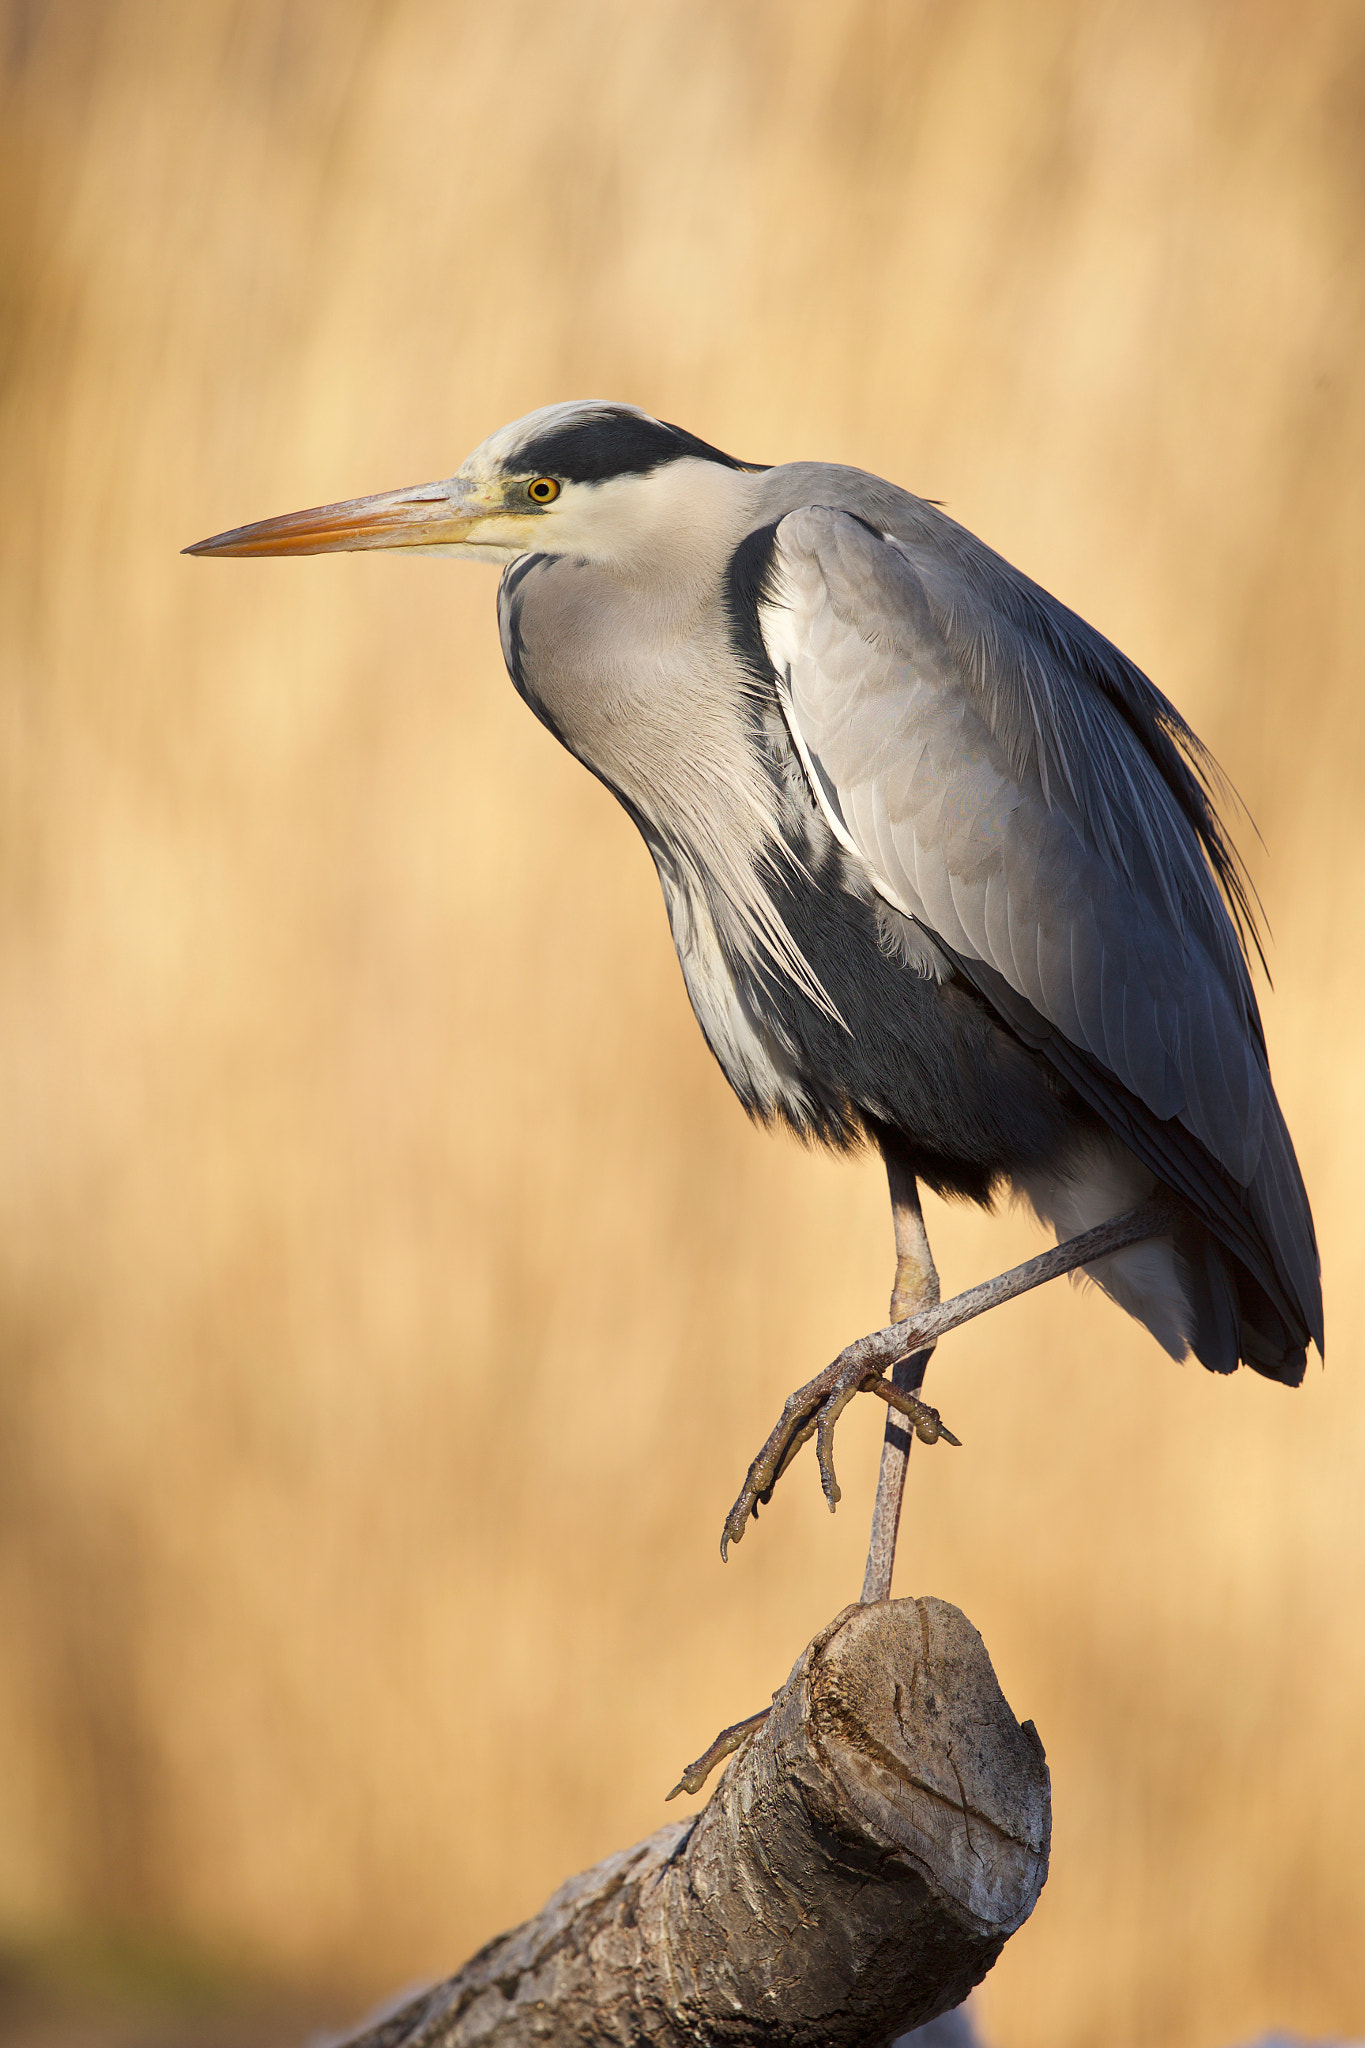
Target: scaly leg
[
  {"x": 813, "y": 1410},
  {"x": 916, "y": 1287}
]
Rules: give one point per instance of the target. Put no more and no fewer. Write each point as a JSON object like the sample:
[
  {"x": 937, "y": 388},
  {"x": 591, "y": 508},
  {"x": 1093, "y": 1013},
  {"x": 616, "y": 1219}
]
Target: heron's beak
[{"x": 426, "y": 516}]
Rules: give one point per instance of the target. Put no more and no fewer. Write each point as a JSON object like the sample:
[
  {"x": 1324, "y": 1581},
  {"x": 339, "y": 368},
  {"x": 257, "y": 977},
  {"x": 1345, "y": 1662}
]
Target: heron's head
[{"x": 587, "y": 479}]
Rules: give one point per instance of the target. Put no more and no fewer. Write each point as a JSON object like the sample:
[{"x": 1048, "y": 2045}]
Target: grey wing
[{"x": 996, "y": 797}]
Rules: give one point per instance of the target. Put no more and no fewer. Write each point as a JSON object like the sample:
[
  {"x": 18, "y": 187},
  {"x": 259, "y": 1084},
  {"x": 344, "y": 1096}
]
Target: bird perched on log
[{"x": 943, "y": 868}]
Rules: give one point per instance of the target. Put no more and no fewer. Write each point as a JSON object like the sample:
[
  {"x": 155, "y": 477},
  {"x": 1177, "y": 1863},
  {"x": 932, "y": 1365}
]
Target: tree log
[{"x": 858, "y": 1869}]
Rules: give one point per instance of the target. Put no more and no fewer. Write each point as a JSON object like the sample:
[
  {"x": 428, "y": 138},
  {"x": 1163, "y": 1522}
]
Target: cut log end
[{"x": 858, "y": 1869}]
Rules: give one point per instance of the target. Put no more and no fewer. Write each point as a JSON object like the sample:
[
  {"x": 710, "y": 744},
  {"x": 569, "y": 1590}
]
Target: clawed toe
[
  {"x": 814, "y": 1410},
  {"x": 816, "y": 1407},
  {"x": 926, "y": 1422},
  {"x": 729, "y": 1739}
]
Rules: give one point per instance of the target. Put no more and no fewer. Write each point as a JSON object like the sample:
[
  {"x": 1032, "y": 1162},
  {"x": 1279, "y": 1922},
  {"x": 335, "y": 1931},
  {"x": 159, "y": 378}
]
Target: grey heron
[{"x": 944, "y": 870}]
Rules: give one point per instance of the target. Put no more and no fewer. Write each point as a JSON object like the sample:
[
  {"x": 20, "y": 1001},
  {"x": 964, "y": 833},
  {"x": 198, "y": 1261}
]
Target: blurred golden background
[{"x": 392, "y": 1293}]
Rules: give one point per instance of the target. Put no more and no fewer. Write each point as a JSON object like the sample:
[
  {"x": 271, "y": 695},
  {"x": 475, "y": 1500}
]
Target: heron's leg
[
  {"x": 916, "y": 1274},
  {"x": 814, "y": 1409},
  {"x": 916, "y": 1287}
]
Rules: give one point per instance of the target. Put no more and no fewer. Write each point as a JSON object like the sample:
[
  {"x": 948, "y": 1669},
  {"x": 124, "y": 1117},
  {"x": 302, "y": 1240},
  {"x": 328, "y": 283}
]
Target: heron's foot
[
  {"x": 725, "y": 1744},
  {"x": 814, "y": 1410}
]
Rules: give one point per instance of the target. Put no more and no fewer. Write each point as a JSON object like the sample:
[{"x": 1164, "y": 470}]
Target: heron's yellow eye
[{"x": 543, "y": 491}]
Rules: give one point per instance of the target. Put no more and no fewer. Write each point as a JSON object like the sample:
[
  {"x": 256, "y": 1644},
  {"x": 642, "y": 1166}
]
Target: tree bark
[{"x": 858, "y": 1869}]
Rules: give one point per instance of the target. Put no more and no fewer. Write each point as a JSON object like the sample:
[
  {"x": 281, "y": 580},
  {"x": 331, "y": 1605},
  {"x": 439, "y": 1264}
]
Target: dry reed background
[{"x": 392, "y": 1295}]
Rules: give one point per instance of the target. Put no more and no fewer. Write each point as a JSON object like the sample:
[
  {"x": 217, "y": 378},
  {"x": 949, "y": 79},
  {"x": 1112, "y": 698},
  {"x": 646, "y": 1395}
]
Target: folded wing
[{"x": 1009, "y": 782}]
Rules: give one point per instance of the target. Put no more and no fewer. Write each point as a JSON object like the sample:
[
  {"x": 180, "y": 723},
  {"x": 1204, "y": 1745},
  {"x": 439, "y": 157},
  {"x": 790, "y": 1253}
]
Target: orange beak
[{"x": 426, "y": 516}]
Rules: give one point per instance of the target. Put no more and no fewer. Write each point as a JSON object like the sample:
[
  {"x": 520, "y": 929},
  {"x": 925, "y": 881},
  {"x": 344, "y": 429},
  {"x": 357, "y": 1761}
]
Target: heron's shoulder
[{"x": 792, "y": 486}]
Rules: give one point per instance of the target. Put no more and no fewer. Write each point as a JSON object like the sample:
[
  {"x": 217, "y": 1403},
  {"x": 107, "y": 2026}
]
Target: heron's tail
[
  {"x": 1190, "y": 1290},
  {"x": 1233, "y": 1319},
  {"x": 1267, "y": 1312}
]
